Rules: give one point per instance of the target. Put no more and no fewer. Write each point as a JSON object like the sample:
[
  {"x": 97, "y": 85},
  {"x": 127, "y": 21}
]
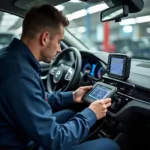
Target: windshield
[{"x": 131, "y": 36}]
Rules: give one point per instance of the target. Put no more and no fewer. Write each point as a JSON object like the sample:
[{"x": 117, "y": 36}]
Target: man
[{"x": 26, "y": 117}]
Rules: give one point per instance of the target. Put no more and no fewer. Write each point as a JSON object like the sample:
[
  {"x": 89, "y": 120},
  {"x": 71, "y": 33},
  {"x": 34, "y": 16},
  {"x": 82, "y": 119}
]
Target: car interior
[{"x": 103, "y": 37}]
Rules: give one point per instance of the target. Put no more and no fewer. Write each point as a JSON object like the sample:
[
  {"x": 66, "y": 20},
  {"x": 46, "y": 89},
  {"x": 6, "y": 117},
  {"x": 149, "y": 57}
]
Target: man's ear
[{"x": 44, "y": 38}]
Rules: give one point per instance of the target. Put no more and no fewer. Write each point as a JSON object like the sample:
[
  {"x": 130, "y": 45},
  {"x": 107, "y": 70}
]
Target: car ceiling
[
  {"x": 12, "y": 6},
  {"x": 19, "y": 7}
]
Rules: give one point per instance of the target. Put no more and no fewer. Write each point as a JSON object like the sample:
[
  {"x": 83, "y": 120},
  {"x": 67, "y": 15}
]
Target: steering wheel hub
[
  {"x": 65, "y": 70},
  {"x": 58, "y": 75}
]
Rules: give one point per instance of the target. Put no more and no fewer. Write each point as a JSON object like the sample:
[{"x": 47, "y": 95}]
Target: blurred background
[{"x": 131, "y": 36}]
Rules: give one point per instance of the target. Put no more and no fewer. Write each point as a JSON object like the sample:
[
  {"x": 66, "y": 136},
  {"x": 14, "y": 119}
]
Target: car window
[
  {"x": 10, "y": 27},
  {"x": 130, "y": 36}
]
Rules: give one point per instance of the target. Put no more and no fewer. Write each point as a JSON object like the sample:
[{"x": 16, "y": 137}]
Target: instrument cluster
[{"x": 95, "y": 69}]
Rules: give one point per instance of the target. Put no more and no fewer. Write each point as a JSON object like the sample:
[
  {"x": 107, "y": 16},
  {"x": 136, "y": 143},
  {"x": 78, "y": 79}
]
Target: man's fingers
[
  {"x": 108, "y": 105},
  {"x": 107, "y": 100},
  {"x": 86, "y": 88}
]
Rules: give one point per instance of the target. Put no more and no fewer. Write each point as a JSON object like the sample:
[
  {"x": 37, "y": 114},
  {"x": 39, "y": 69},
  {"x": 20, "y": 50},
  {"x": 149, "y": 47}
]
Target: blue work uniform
[{"x": 25, "y": 115}]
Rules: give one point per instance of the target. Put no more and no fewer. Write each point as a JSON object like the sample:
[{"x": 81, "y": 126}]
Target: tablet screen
[
  {"x": 116, "y": 66},
  {"x": 99, "y": 92}
]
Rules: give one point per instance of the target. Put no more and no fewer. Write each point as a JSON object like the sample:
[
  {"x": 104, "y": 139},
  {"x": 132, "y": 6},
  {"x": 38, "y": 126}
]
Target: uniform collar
[{"x": 23, "y": 49}]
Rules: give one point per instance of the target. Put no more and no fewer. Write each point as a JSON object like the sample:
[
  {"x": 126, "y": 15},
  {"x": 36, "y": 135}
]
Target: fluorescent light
[
  {"x": 97, "y": 8},
  {"x": 84, "y": 12},
  {"x": 75, "y": 1},
  {"x": 77, "y": 14},
  {"x": 127, "y": 22},
  {"x": 127, "y": 29},
  {"x": 143, "y": 19},
  {"x": 8, "y": 20},
  {"x": 80, "y": 13},
  {"x": 70, "y": 17},
  {"x": 60, "y": 7},
  {"x": 130, "y": 21}
]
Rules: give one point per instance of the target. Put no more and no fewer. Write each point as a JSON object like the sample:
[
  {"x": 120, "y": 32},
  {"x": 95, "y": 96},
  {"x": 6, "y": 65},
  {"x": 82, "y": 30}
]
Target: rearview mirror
[{"x": 114, "y": 13}]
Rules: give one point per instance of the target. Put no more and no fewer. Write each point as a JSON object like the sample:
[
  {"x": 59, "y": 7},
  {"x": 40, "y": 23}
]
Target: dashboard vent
[
  {"x": 122, "y": 87},
  {"x": 125, "y": 89}
]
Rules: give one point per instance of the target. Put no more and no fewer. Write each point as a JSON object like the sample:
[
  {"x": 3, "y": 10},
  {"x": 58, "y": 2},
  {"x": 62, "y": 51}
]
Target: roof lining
[{"x": 9, "y": 7}]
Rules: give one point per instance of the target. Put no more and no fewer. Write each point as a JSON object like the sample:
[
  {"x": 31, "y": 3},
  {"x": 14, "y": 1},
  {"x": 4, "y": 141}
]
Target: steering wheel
[{"x": 64, "y": 72}]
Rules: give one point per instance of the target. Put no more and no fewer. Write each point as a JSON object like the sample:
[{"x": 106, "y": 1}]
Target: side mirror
[{"x": 114, "y": 13}]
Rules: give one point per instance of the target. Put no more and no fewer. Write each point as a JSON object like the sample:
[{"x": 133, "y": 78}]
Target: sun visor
[{"x": 27, "y": 4}]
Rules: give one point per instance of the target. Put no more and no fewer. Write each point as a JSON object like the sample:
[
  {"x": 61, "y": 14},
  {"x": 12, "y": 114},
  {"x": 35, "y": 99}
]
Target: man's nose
[{"x": 59, "y": 49}]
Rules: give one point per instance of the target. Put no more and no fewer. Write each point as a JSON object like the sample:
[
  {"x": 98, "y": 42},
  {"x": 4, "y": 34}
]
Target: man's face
[{"x": 51, "y": 46}]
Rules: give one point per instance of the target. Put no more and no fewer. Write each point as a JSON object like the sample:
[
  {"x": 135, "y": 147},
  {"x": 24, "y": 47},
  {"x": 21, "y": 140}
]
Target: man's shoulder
[{"x": 12, "y": 63}]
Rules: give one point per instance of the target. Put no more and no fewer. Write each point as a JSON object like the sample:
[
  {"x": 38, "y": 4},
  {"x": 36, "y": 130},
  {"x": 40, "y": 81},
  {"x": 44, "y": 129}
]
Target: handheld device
[
  {"x": 119, "y": 66},
  {"x": 99, "y": 91}
]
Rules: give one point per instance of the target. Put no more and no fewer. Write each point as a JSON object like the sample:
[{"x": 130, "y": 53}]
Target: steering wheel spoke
[
  {"x": 55, "y": 87},
  {"x": 69, "y": 74},
  {"x": 58, "y": 87},
  {"x": 52, "y": 71}
]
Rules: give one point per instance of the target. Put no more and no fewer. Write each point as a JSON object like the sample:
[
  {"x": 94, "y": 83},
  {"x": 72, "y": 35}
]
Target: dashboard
[
  {"x": 133, "y": 95},
  {"x": 94, "y": 68}
]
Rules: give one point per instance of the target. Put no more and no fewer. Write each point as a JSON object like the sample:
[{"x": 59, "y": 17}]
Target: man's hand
[
  {"x": 99, "y": 107},
  {"x": 79, "y": 93}
]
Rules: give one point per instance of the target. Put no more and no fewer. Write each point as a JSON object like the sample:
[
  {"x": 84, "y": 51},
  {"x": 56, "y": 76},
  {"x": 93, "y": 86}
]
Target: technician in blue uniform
[{"x": 26, "y": 117}]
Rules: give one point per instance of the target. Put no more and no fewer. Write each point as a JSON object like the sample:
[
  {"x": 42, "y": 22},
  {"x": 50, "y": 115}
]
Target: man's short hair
[{"x": 43, "y": 17}]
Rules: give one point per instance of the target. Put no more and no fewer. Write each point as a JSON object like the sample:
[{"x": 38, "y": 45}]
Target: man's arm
[
  {"x": 33, "y": 115},
  {"x": 59, "y": 100}
]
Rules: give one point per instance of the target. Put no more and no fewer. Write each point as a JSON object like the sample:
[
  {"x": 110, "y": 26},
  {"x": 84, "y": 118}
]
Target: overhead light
[
  {"x": 60, "y": 7},
  {"x": 127, "y": 22},
  {"x": 75, "y": 1},
  {"x": 77, "y": 14},
  {"x": 84, "y": 12},
  {"x": 81, "y": 29},
  {"x": 127, "y": 29},
  {"x": 131, "y": 21},
  {"x": 143, "y": 19},
  {"x": 70, "y": 17},
  {"x": 97, "y": 8}
]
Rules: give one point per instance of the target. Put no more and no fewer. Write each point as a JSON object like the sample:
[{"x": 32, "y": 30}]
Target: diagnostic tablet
[{"x": 99, "y": 91}]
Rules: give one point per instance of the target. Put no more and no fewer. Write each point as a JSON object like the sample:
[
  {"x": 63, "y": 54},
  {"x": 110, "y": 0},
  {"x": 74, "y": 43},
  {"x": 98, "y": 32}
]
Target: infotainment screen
[
  {"x": 116, "y": 66},
  {"x": 119, "y": 66},
  {"x": 99, "y": 92}
]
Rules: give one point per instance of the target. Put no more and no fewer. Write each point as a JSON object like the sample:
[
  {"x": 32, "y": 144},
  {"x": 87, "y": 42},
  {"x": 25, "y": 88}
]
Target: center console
[
  {"x": 124, "y": 94},
  {"x": 118, "y": 72}
]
